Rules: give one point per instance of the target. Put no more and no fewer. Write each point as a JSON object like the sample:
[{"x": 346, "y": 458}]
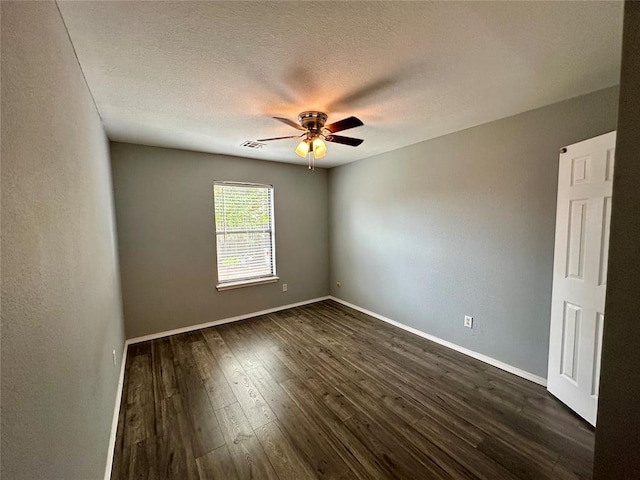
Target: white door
[{"x": 580, "y": 273}]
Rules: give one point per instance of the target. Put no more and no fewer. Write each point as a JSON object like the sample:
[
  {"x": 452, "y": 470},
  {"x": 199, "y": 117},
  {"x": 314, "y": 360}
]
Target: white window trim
[
  {"x": 259, "y": 280},
  {"x": 246, "y": 283}
]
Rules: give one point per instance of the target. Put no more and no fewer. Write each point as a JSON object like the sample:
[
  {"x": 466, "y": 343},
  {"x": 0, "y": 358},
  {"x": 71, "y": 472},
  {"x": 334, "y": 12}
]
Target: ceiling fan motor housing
[{"x": 312, "y": 120}]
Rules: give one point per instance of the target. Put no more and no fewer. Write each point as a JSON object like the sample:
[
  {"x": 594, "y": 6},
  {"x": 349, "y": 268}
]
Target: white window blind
[{"x": 244, "y": 231}]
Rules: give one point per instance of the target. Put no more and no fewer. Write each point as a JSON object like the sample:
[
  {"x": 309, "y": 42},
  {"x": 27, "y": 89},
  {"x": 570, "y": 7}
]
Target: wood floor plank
[
  {"x": 322, "y": 333},
  {"x": 467, "y": 456},
  {"x": 436, "y": 408},
  {"x": 393, "y": 459},
  {"x": 325, "y": 391},
  {"x": 316, "y": 382},
  {"x": 409, "y": 410},
  {"x": 362, "y": 461},
  {"x": 248, "y": 456},
  {"x": 143, "y": 460},
  {"x": 563, "y": 428},
  {"x": 164, "y": 380},
  {"x": 340, "y": 371},
  {"x": 175, "y": 451},
  {"x": 320, "y": 453},
  {"x": 206, "y": 434},
  {"x": 438, "y": 462},
  {"x": 332, "y": 398},
  {"x": 215, "y": 383},
  {"x": 164, "y": 374},
  {"x": 140, "y": 410},
  {"x": 569, "y": 468},
  {"x": 240, "y": 348},
  {"x": 252, "y": 403},
  {"x": 517, "y": 460},
  {"x": 474, "y": 410},
  {"x": 262, "y": 348},
  {"x": 286, "y": 461},
  {"x": 217, "y": 464},
  {"x": 394, "y": 402}
]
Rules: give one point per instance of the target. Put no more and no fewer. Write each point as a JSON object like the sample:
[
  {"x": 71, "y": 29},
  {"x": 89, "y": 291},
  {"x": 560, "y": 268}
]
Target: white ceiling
[{"x": 207, "y": 76}]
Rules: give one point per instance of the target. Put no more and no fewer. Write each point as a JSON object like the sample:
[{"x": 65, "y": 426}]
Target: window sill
[{"x": 246, "y": 283}]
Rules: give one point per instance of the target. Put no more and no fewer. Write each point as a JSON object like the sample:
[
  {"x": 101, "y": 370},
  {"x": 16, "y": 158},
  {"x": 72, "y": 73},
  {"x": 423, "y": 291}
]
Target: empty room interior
[{"x": 300, "y": 240}]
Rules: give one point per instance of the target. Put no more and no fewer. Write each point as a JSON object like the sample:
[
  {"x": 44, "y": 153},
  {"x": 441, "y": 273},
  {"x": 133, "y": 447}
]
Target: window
[{"x": 244, "y": 234}]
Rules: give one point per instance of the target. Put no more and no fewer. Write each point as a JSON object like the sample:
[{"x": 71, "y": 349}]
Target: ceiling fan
[{"x": 315, "y": 132}]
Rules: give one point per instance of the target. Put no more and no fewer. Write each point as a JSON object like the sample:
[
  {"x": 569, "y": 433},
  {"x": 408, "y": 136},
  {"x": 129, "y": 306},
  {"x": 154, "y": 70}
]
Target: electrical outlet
[
  {"x": 284, "y": 287},
  {"x": 338, "y": 283},
  {"x": 468, "y": 321},
  {"x": 115, "y": 361}
]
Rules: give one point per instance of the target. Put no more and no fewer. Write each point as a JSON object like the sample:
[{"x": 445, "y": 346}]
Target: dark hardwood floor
[{"x": 323, "y": 391}]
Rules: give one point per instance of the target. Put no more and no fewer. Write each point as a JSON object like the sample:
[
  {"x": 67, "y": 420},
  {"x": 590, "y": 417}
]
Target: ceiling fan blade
[
  {"x": 291, "y": 123},
  {"x": 344, "y": 124},
  {"x": 277, "y": 138},
  {"x": 353, "y": 142}
]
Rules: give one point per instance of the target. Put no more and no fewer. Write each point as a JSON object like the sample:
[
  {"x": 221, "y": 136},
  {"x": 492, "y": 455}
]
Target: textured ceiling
[{"x": 207, "y": 76}]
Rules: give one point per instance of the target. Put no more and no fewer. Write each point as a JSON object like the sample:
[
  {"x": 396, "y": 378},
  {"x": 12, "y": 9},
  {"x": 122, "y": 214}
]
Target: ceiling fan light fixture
[
  {"x": 319, "y": 148},
  {"x": 316, "y": 134},
  {"x": 303, "y": 148}
]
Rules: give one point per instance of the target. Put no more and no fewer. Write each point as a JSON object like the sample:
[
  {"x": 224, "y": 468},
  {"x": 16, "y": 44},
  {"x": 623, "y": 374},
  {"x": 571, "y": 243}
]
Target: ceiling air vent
[{"x": 252, "y": 144}]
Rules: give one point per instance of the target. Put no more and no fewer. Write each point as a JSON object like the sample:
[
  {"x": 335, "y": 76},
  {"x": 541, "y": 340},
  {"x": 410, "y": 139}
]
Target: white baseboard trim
[
  {"x": 478, "y": 356},
  {"x": 222, "y": 321},
  {"x": 116, "y": 414}
]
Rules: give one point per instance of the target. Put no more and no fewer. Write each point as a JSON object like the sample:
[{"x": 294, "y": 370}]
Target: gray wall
[
  {"x": 61, "y": 310},
  {"x": 618, "y": 432},
  {"x": 166, "y": 236},
  {"x": 463, "y": 224}
]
